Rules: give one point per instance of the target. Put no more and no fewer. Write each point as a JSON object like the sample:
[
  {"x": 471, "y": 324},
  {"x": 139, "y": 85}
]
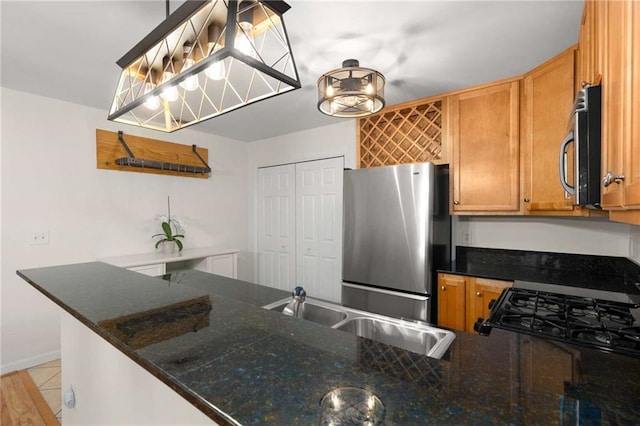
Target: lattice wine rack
[{"x": 407, "y": 133}]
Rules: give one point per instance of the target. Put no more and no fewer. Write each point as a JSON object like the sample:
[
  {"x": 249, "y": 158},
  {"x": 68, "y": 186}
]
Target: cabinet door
[
  {"x": 616, "y": 98},
  {"x": 632, "y": 154},
  {"x": 276, "y": 227},
  {"x": 588, "y": 66},
  {"x": 484, "y": 126},
  {"x": 151, "y": 270},
  {"x": 548, "y": 100},
  {"x": 480, "y": 292},
  {"x": 451, "y": 301},
  {"x": 223, "y": 264},
  {"x": 319, "y": 227}
]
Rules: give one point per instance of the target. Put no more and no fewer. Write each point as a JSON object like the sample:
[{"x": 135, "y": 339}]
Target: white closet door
[
  {"x": 276, "y": 227},
  {"x": 319, "y": 227}
]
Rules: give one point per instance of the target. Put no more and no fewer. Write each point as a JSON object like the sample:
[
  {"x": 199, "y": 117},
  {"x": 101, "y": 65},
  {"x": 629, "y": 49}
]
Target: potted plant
[{"x": 170, "y": 236}]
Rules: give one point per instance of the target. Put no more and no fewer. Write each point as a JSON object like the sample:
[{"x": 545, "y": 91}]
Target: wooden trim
[
  {"x": 553, "y": 61},
  {"x": 485, "y": 85},
  {"x": 625, "y": 216},
  {"x": 109, "y": 149}
]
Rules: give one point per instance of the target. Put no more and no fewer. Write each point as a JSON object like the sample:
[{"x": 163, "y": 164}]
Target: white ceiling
[{"x": 67, "y": 50}]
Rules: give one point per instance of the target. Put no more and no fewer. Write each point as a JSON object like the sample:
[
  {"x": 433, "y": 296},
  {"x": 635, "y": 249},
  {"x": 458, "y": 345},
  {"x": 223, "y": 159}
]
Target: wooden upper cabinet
[
  {"x": 451, "y": 301},
  {"x": 632, "y": 154},
  {"x": 547, "y": 102},
  {"x": 615, "y": 99},
  {"x": 589, "y": 60},
  {"x": 621, "y": 115},
  {"x": 484, "y": 131}
]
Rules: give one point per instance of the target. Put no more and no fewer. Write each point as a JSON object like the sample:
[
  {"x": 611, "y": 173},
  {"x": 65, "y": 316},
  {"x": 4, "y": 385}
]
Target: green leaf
[
  {"x": 160, "y": 242},
  {"x": 179, "y": 243},
  {"x": 167, "y": 230},
  {"x": 178, "y": 236}
]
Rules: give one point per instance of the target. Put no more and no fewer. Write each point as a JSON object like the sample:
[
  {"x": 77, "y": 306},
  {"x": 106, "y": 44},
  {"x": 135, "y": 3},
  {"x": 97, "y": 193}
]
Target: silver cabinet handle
[
  {"x": 479, "y": 294},
  {"x": 610, "y": 178},
  {"x": 526, "y": 200},
  {"x": 456, "y": 202},
  {"x": 563, "y": 163},
  {"x": 443, "y": 288}
]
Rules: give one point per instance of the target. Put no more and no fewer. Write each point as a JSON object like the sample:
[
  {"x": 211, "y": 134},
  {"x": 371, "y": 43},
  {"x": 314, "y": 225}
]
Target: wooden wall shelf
[{"x": 150, "y": 156}]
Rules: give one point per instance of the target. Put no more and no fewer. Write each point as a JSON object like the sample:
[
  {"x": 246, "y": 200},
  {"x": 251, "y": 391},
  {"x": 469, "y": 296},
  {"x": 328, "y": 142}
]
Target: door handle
[
  {"x": 610, "y": 178},
  {"x": 563, "y": 164}
]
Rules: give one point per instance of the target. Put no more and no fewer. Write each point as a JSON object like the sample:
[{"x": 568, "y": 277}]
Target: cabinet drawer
[{"x": 151, "y": 270}]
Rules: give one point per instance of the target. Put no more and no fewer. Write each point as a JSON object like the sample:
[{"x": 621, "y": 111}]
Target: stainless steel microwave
[{"x": 585, "y": 136}]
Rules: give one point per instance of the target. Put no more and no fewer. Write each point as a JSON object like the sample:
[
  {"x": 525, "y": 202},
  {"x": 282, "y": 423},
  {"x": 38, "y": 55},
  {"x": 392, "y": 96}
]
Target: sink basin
[
  {"x": 313, "y": 312},
  {"x": 419, "y": 338},
  {"x": 406, "y": 334}
]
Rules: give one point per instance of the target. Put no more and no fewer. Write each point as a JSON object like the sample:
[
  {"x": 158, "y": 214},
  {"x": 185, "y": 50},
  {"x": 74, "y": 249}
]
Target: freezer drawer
[{"x": 386, "y": 302}]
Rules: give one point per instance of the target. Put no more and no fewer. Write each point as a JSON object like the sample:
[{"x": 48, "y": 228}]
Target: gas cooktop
[{"x": 592, "y": 318}]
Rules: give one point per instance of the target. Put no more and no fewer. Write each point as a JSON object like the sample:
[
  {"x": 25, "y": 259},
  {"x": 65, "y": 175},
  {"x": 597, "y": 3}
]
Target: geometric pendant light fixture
[
  {"x": 351, "y": 91},
  {"x": 207, "y": 58}
]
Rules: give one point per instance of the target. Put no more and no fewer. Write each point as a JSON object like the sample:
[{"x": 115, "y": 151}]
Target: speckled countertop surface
[{"x": 260, "y": 367}]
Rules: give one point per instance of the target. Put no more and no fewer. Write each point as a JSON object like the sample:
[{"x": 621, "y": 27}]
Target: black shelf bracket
[{"x": 132, "y": 161}]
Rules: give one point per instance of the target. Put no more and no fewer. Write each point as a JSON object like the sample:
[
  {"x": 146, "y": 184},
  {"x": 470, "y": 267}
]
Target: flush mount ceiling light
[
  {"x": 351, "y": 91},
  {"x": 207, "y": 58}
]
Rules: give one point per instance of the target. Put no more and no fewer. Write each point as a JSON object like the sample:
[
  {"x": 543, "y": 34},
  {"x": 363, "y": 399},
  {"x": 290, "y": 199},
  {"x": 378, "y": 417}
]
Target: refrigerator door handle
[{"x": 389, "y": 292}]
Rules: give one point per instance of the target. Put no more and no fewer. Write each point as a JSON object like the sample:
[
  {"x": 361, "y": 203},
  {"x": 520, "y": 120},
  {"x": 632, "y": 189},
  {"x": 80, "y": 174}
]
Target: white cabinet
[
  {"x": 151, "y": 270},
  {"x": 209, "y": 259},
  {"x": 299, "y": 227}
]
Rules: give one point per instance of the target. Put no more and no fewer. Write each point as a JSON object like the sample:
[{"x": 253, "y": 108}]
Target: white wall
[
  {"x": 50, "y": 183},
  {"x": 570, "y": 235},
  {"x": 634, "y": 244},
  {"x": 322, "y": 142}
]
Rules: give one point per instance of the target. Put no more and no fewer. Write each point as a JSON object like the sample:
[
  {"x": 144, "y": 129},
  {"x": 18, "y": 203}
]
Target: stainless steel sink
[
  {"x": 413, "y": 336},
  {"x": 313, "y": 312}
]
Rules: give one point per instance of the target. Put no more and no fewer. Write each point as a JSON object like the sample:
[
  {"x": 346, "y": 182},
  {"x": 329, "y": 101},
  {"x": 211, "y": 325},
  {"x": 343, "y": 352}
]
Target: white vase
[{"x": 168, "y": 247}]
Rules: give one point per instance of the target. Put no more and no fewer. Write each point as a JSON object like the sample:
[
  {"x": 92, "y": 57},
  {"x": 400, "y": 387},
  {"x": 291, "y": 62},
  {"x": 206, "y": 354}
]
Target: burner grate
[{"x": 573, "y": 319}]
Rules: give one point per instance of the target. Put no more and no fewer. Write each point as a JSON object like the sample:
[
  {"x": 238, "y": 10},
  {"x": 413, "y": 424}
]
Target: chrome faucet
[{"x": 298, "y": 297}]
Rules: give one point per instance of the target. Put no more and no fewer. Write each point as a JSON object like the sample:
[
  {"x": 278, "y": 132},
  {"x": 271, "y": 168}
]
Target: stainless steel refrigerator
[{"x": 396, "y": 234}]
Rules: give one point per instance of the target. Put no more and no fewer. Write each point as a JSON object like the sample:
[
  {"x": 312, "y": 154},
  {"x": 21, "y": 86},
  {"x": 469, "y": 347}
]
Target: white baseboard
[{"x": 29, "y": 362}]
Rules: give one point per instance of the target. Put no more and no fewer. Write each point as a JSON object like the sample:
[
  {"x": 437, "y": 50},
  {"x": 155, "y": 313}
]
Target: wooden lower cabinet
[
  {"x": 452, "y": 290},
  {"x": 463, "y": 299}
]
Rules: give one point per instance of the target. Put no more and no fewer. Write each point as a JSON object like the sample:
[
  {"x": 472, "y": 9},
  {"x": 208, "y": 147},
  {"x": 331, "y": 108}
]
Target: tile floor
[{"x": 47, "y": 378}]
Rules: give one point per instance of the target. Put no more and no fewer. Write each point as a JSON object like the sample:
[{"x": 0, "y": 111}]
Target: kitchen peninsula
[{"x": 208, "y": 341}]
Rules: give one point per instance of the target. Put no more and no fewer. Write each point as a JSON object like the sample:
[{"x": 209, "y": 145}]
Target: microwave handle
[{"x": 563, "y": 164}]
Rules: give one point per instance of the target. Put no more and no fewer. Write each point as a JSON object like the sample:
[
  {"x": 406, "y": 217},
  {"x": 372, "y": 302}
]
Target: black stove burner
[{"x": 586, "y": 321}]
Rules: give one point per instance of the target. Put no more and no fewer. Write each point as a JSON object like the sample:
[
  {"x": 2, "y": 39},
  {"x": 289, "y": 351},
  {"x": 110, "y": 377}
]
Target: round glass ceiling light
[{"x": 351, "y": 91}]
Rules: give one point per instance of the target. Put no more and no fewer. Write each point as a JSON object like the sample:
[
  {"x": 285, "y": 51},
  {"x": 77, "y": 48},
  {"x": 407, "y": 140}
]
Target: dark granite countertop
[
  {"x": 588, "y": 271},
  {"x": 261, "y": 367}
]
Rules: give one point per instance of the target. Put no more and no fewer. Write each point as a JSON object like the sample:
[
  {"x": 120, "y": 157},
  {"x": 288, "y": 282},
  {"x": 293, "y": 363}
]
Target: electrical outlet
[
  {"x": 39, "y": 238},
  {"x": 466, "y": 237}
]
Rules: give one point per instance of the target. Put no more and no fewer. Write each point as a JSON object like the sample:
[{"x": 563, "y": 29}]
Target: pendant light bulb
[
  {"x": 170, "y": 93},
  {"x": 216, "y": 71},
  {"x": 369, "y": 89},
  {"x": 190, "y": 83},
  {"x": 153, "y": 103},
  {"x": 245, "y": 40},
  {"x": 330, "y": 91}
]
